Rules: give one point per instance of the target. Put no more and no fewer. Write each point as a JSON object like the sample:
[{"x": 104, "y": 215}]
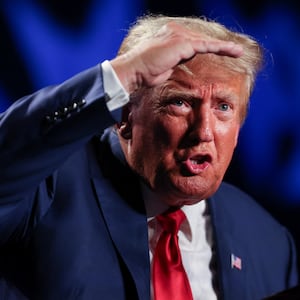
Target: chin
[
  {"x": 190, "y": 190},
  {"x": 179, "y": 202}
]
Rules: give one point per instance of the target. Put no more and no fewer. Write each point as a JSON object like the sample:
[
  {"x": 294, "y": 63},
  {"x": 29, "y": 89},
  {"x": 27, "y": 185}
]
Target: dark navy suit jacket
[{"x": 72, "y": 220}]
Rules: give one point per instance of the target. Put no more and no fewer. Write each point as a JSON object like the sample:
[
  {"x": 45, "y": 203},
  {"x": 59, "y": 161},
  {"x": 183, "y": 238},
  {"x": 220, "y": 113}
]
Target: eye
[
  {"x": 183, "y": 103},
  {"x": 177, "y": 102},
  {"x": 178, "y": 106},
  {"x": 224, "y": 106}
]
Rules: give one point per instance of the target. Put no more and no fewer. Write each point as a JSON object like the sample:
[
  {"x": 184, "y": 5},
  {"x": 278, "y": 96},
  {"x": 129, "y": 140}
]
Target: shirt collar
[{"x": 194, "y": 215}]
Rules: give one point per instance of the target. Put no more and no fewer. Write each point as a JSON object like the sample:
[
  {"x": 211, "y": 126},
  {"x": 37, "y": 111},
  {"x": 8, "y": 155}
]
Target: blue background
[{"x": 45, "y": 42}]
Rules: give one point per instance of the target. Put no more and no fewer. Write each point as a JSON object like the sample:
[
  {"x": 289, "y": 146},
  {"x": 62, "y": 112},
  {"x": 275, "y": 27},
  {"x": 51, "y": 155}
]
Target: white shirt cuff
[{"x": 118, "y": 96}]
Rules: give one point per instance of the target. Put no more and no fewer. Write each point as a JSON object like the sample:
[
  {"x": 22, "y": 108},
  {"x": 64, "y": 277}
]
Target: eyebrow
[
  {"x": 173, "y": 92},
  {"x": 228, "y": 95}
]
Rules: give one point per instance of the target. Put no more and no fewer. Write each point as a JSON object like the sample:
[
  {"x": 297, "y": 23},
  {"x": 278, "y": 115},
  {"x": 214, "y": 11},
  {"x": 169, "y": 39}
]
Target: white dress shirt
[
  {"x": 195, "y": 234},
  {"x": 195, "y": 242}
]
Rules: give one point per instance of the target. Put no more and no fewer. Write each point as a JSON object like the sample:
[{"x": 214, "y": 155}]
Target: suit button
[
  {"x": 64, "y": 112},
  {"x": 81, "y": 102},
  {"x": 74, "y": 105}
]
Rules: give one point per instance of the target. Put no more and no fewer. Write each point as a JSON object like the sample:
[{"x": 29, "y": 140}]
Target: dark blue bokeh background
[{"x": 45, "y": 42}]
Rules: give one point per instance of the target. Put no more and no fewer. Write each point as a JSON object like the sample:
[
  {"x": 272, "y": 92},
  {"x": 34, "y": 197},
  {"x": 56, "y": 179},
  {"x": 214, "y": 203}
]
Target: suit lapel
[
  {"x": 231, "y": 254},
  {"x": 122, "y": 206}
]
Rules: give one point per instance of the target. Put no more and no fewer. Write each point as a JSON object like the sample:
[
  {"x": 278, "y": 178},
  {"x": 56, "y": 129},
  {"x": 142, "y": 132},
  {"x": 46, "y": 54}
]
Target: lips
[{"x": 196, "y": 164}]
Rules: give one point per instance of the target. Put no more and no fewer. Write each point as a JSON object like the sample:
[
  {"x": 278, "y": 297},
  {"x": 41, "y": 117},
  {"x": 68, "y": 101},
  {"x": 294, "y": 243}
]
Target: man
[{"x": 86, "y": 175}]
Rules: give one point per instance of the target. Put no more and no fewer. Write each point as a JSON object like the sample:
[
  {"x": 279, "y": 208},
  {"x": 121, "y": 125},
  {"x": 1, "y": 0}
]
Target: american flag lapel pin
[{"x": 236, "y": 262}]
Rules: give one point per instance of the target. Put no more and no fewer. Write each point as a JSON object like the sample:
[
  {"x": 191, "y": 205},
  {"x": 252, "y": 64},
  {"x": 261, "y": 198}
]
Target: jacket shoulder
[{"x": 244, "y": 215}]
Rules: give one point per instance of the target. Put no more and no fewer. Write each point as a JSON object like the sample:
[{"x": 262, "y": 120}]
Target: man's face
[{"x": 182, "y": 135}]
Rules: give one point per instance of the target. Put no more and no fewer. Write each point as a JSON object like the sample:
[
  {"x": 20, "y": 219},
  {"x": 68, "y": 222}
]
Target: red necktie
[{"x": 170, "y": 281}]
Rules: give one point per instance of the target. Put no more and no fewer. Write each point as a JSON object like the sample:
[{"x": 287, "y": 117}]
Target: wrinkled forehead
[
  {"x": 215, "y": 71},
  {"x": 210, "y": 69},
  {"x": 226, "y": 64}
]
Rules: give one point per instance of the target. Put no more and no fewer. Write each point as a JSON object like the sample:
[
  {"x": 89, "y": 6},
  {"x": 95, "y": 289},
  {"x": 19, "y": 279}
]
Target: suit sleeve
[{"x": 39, "y": 132}]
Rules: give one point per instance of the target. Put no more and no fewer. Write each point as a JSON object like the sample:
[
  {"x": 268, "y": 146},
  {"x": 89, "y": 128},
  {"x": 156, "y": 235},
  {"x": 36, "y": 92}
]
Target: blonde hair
[{"x": 249, "y": 63}]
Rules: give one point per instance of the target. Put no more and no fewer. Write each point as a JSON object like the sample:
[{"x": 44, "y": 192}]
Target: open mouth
[
  {"x": 199, "y": 159},
  {"x": 196, "y": 164}
]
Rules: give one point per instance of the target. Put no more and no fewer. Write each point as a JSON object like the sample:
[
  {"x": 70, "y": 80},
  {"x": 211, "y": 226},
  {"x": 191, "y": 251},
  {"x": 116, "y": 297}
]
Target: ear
[{"x": 125, "y": 127}]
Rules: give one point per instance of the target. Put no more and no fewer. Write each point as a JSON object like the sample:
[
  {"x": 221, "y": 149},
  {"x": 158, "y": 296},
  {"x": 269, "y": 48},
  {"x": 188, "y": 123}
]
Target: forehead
[{"x": 209, "y": 72}]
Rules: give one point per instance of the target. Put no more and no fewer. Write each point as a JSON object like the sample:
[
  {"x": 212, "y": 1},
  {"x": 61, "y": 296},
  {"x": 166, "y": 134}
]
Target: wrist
[{"x": 125, "y": 69}]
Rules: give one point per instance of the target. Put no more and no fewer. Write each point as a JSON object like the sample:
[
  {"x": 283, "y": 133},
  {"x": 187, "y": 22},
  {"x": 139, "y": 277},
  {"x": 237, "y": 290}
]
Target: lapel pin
[{"x": 236, "y": 262}]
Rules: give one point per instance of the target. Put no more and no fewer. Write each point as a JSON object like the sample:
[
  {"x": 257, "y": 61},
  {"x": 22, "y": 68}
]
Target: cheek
[
  {"x": 170, "y": 131},
  {"x": 228, "y": 136}
]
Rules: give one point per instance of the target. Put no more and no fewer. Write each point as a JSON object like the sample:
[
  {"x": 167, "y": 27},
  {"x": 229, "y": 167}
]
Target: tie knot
[{"x": 171, "y": 221}]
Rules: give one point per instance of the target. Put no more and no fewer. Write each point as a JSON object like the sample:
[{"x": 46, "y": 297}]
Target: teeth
[
  {"x": 198, "y": 161},
  {"x": 194, "y": 162}
]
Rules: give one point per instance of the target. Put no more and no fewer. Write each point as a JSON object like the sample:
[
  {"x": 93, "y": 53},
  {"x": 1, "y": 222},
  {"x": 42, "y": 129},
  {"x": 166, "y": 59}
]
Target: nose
[{"x": 201, "y": 126}]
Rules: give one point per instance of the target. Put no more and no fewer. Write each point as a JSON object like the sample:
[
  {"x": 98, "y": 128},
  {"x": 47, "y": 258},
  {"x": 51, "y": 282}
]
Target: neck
[{"x": 153, "y": 203}]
